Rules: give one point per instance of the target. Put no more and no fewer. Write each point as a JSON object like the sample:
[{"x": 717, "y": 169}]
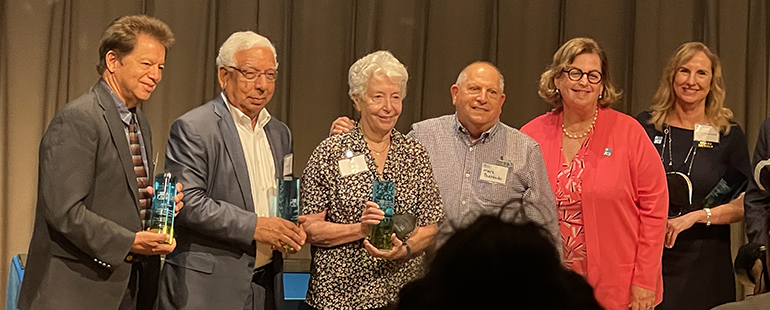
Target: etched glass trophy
[
  {"x": 384, "y": 194},
  {"x": 288, "y": 202},
  {"x": 288, "y": 198},
  {"x": 725, "y": 191},
  {"x": 162, "y": 214}
]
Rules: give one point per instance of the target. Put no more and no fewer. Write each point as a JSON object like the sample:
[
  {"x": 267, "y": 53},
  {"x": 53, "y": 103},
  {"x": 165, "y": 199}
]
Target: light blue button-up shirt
[{"x": 457, "y": 166}]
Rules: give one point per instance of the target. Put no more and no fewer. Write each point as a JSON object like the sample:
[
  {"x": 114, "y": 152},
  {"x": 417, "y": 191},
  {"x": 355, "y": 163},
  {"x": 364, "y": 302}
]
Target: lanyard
[{"x": 693, "y": 151}]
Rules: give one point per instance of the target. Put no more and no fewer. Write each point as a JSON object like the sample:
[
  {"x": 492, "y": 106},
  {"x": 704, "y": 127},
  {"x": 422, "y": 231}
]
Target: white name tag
[
  {"x": 354, "y": 165},
  {"x": 705, "y": 133},
  {"x": 493, "y": 173},
  {"x": 288, "y": 164}
]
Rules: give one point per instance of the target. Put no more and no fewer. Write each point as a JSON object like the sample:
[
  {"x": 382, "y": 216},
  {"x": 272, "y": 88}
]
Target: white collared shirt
[{"x": 259, "y": 162}]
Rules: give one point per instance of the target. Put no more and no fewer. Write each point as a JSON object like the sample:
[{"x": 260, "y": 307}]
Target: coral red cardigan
[{"x": 625, "y": 203}]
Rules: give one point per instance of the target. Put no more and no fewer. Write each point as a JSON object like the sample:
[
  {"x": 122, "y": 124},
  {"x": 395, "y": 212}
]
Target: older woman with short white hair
[{"x": 348, "y": 272}]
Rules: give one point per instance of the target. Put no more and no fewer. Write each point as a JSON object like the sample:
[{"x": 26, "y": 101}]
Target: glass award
[
  {"x": 288, "y": 199},
  {"x": 724, "y": 192},
  {"x": 384, "y": 194},
  {"x": 287, "y": 204},
  {"x": 162, "y": 212}
]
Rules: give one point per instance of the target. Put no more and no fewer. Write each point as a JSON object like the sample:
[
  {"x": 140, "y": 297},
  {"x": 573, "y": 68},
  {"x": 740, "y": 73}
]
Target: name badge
[
  {"x": 288, "y": 164},
  {"x": 705, "y": 133},
  {"x": 493, "y": 173},
  {"x": 354, "y": 165}
]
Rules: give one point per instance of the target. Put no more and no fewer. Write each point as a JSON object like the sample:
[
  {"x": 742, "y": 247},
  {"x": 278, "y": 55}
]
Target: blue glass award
[
  {"x": 288, "y": 202},
  {"x": 162, "y": 213},
  {"x": 288, "y": 198},
  {"x": 384, "y": 194}
]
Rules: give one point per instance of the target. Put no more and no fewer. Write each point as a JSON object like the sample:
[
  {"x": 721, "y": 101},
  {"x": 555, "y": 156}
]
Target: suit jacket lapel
[
  {"x": 234, "y": 150},
  {"x": 147, "y": 137},
  {"x": 118, "y": 133},
  {"x": 276, "y": 148}
]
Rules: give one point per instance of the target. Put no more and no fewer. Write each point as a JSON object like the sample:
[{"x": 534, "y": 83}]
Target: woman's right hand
[
  {"x": 341, "y": 125},
  {"x": 677, "y": 225},
  {"x": 371, "y": 216}
]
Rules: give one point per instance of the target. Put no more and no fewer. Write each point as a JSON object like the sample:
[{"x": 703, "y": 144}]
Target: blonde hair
[
  {"x": 665, "y": 97},
  {"x": 566, "y": 56}
]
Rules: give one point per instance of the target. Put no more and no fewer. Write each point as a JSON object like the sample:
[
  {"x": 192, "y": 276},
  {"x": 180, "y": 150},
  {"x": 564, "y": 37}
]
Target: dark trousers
[
  {"x": 142, "y": 286},
  {"x": 262, "y": 289}
]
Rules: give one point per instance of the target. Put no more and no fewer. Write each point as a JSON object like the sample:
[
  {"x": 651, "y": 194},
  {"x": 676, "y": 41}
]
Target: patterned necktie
[{"x": 141, "y": 174}]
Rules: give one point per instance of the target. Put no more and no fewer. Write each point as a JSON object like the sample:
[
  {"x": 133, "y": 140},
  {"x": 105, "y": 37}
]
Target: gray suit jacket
[
  {"x": 87, "y": 209},
  {"x": 212, "y": 265}
]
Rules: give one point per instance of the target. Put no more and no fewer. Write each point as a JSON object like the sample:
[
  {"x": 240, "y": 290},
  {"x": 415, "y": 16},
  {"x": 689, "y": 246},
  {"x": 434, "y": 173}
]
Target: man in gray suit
[
  {"x": 228, "y": 154},
  {"x": 89, "y": 249}
]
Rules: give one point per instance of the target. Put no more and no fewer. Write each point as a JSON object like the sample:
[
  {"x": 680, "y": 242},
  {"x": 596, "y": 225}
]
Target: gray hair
[
  {"x": 461, "y": 78},
  {"x": 380, "y": 63},
  {"x": 239, "y": 41}
]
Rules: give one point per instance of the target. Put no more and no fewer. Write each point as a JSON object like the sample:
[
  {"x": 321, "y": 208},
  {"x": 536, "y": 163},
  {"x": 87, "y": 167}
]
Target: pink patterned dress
[{"x": 569, "y": 204}]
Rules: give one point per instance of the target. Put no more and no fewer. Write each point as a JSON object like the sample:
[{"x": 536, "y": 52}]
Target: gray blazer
[
  {"x": 212, "y": 265},
  {"x": 87, "y": 209}
]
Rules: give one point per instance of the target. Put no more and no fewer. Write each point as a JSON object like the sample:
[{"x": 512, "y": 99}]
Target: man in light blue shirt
[{"x": 481, "y": 165}]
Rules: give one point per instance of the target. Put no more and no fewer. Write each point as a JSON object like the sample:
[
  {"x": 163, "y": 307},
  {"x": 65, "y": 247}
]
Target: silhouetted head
[{"x": 492, "y": 261}]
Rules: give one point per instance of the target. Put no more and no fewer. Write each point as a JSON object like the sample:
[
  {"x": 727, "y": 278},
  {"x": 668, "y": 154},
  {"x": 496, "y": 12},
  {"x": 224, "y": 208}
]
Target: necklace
[
  {"x": 387, "y": 145},
  {"x": 693, "y": 151},
  {"x": 582, "y": 135}
]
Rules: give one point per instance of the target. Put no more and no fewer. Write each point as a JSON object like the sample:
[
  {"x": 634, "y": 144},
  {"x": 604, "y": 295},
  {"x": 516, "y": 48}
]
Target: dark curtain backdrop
[{"x": 48, "y": 53}]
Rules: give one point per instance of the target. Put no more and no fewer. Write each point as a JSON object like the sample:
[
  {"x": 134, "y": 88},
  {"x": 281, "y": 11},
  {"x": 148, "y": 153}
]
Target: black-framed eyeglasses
[
  {"x": 252, "y": 76},
  {"x": 575, "y": 74}
]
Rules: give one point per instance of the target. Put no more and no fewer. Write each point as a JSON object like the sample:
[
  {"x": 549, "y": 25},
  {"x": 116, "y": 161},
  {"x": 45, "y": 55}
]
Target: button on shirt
[
  {"x": 259, "y": 162},
  {"x": 457, "y": 165}
]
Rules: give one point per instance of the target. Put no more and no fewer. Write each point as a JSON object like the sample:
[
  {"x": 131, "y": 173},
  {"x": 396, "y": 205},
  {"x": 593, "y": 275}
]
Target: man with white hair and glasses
[{"x": 228, "y": 154}]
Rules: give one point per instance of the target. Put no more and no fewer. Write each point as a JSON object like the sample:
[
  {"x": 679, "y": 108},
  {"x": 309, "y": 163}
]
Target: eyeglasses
[
  {"x": 252, "y": 76},
  {"x": 575, "y": 74}
]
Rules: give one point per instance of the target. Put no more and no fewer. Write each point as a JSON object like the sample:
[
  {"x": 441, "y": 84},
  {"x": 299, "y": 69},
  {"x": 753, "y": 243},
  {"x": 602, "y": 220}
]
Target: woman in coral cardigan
[{"x": 609, "y": 183}]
